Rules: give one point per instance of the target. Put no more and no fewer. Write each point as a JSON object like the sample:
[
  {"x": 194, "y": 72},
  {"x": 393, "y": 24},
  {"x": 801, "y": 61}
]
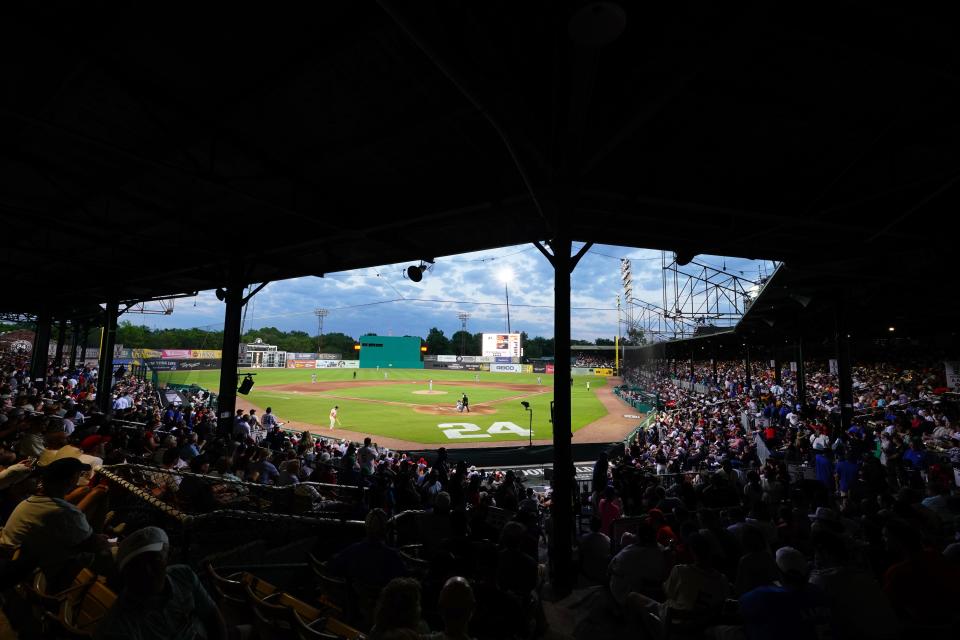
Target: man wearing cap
[
  {"x": 795, "y": 610},
  {"x": 157, "y": 600},
  {"x": 54, "y": 534}
]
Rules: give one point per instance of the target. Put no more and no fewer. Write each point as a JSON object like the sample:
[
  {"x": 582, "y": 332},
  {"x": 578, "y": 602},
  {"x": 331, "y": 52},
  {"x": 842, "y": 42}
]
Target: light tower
[
  {"x": 626, "y": 276},
  {"x": 321, "y": 314},
  {"x": 463, "y": 316},
  {"x": 506, "y": 276}
]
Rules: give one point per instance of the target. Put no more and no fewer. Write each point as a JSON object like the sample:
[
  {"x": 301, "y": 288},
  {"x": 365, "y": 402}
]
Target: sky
[{"x": 382, "y": 300}]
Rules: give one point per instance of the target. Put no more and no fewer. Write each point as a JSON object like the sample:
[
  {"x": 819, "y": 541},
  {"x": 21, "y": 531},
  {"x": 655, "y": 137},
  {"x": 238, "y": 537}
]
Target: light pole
[
  {"x": 526, "y": 405},
  {"x": 321, "y": 314},
  {"x": 463, "y": 316},
  {"x": 506, "y": 276}
]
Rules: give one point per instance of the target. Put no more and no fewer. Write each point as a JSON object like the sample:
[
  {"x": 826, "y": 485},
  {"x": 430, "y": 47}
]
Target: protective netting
[{"x": 207, "y": 514}]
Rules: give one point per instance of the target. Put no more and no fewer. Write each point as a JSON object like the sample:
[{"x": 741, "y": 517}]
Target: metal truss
[{"x": 697, "y": 298}]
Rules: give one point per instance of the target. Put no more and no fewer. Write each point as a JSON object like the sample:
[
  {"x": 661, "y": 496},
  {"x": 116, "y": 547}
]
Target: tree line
[{"x": 460, "y": 343}]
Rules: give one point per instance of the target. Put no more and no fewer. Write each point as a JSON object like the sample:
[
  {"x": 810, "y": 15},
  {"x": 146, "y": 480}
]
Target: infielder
[{"x": 333, "y": 416}]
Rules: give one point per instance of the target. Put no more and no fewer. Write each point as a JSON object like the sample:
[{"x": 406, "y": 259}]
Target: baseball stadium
[{"x": 711, "y": 387}]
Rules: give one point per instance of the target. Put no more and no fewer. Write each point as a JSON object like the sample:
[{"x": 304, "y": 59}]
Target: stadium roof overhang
[{"x": 145, "y": 157}]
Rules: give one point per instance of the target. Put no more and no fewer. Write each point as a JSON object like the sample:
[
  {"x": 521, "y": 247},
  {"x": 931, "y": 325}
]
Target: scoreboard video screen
[{"x": 501, "y": 345}]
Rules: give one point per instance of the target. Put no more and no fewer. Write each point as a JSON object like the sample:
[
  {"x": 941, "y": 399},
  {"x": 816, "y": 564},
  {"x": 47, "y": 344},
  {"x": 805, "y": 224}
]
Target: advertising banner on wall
[
  {"x": 447, "y": 358},
  {"x": 338, "y": 364},
  {"x": 206, "y": 354},
  {"x": 526, "y": 368},
  {"x": 301, "y": 364},
  {"x": 505, "y": 368},
  {"x": 144, "y": 353},
  {"x": 452, "y": 366},
  {"x": 502, "y": 345},
  {"x": 198, "y": 365},
  {"x": 601, "y": 371},
  {"x": 539, "y": 368},
  {"x": 162, "y": 365},
  {"x": 182, "y": 364},
  {"x": 549, "y": 368},
  {"x": 168, "y": 354}
]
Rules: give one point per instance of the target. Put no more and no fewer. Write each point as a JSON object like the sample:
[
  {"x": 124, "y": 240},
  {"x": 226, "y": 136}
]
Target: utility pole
[
  {"x": 463, "y": 316},
  {"x": 321, "y": 314}
]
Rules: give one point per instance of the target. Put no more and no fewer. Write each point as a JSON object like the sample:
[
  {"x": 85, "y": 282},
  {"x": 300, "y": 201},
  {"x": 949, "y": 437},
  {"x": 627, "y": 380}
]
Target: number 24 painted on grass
[{"x": 458, "y": 430}]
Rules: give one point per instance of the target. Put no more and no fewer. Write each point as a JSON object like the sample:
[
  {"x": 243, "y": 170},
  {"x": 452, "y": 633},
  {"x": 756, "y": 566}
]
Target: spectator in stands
[
  {"x": 923, "y": 588},
  {"x": 640, "y": 566},
  {"x": 370, "y": 561},
  {"x": 263, "y": 468},
  {"x": 516, "y": 571},
  {"x": 269, "y": 420},
  {"x": 696, "y": 588},
  {"x": 795, "y": 610},
  {"x": 157, "y": 600},
  {"x": 54, "y": 534},
  {"x": 456, "y": 606},
  {"x": 398, "y": 607},
  {"x": 860, "y": 608},
  {"x": 610, "y": 509},
  {"x": 594, "y": 552},
  {"x": 756, "y": 567}
]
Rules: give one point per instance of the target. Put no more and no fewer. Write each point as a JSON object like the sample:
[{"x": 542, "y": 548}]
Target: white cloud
[{"x": 466, "y": 282}]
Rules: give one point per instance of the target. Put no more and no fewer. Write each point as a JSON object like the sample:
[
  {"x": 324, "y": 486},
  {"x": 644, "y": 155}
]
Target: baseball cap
[
  {"x": 63, "y": 468},
  {"x": 789, "y": 560},
  {"x": 142, "y": 541}
]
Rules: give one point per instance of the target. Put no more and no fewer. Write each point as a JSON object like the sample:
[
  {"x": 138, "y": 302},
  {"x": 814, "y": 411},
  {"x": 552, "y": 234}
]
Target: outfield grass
[{"x": 366, "y": 408}]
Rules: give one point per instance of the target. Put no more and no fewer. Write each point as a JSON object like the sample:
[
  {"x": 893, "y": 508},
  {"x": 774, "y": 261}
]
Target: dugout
[{"x": 390, "y": 352}]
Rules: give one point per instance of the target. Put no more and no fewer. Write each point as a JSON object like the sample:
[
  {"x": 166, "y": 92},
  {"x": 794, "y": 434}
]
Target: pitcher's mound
[
  {"x": 442, "y": 410},
  {"x": 430, "y": 393}
]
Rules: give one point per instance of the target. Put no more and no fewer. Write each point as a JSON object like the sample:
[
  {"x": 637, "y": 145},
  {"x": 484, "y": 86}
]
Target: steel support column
[
  {"x": 74, "y": 339},
  {"x": 41, "y": 349},
  {"x": 749, "y": 373},
  {"x": 561, "y": 544},
  {"x": 801, "y": 377},
  {"x": 84, "y": 338},
  {"x": 105, "y": 366},
  {"x": 843, "y": 367},
  {"x": 227, "y": 398},
  {"x": 61, "y": 338}
]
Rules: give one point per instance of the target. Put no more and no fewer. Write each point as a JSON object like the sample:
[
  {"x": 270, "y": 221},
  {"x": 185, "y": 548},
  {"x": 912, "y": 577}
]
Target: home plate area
[{"x": 443, "y": 410}]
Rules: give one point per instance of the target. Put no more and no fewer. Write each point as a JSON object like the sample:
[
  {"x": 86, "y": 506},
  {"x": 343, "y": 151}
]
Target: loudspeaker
[{"x": 245, "y": 385}]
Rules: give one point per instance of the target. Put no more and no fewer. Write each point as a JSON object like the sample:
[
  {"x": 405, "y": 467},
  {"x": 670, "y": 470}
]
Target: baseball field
[{"x": 398, "y": 406}]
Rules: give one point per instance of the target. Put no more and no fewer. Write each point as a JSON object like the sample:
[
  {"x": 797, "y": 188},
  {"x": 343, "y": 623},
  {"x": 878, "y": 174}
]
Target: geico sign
[{"x": 462, "y": 430}]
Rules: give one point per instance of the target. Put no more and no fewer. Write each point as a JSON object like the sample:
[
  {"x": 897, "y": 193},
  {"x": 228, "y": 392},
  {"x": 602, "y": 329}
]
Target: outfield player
[{"x": 313, "y": 378}]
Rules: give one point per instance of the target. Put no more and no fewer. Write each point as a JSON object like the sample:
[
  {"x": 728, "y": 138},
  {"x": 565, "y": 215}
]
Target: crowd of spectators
[
  {"x": 740, "y": 508},
  {"x": 58, "y": 516},
  {"x": 736, "y": 508},
  {"x": 592, "y": 361}
]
